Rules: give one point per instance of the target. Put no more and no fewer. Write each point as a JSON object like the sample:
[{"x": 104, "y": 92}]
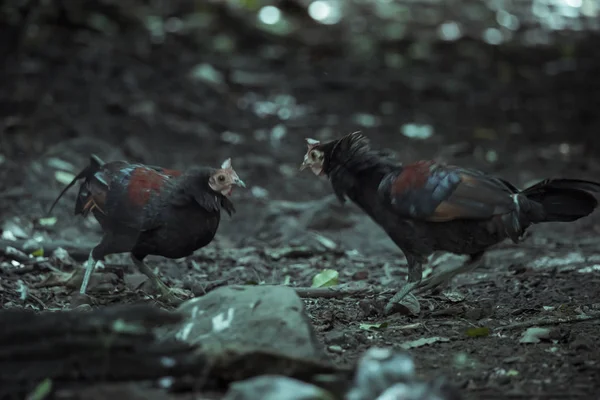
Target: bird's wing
[
  {"x": 128, "y": 195},
  {"x": 93, "y": 191},
  {"x": 430, "y": 191}
]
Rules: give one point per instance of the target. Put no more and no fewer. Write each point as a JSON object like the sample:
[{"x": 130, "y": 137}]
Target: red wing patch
[
  {"x": 145, "y": 182},
  {"x": 413, "y": 176}
]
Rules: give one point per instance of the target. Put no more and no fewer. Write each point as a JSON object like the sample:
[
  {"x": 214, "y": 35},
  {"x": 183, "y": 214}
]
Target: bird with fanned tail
[{"x": 428, "y": 206}]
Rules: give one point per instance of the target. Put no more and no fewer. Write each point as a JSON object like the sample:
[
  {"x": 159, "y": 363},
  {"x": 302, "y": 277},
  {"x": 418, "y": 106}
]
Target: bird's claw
[{"x": 398, "y": 297}]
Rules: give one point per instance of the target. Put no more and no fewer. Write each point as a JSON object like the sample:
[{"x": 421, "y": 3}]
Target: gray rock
[
  {"x": 269, "y": 318},
  {"x": 388, "y": 374},
  {"x": 335, "y": 338},
  {"x": 272, "y": 387},
  {"x": 378, "y": 369}
]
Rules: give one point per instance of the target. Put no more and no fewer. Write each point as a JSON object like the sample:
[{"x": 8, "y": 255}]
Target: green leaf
[
  {"x": 50, "y": 221},
  {"x": 478, "y": 332},
  {"x": 327, "y": 277},
  {"x": 535, "y": 335},
  {"x": 38, "y": 253},
  {"x": 373, "y": 327},
  {"x": 41, "y": 391}
]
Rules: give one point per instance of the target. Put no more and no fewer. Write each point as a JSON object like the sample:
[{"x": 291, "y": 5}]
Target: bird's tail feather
[
  {"x": 562, "y": 200},
  {"x": 94, "y": 166}
]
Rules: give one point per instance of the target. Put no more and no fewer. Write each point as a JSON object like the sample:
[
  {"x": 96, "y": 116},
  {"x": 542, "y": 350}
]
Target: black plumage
[
  {"x": 428, "y": 206},
  {"x": 148, "y": 210}
]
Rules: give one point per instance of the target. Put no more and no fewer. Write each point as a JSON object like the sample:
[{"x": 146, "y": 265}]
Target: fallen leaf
[
  {"x": 535, "y": 335},
  {"x": 57, "y": 163},
  {"x": 373, "y": 327},
  {"x": 63, "y": 177},
  {"x": 478, "y": 332},
  {"x": 325, "y": 242},
  {"x": 59, "y": 278},
  {"x": 423, "y": 342},
  {"x": 50, "y": 221},
  {"x": 327, "y": 277},
  {"x": 41, "y": 391},
  {"x": 38, "y": 252}
]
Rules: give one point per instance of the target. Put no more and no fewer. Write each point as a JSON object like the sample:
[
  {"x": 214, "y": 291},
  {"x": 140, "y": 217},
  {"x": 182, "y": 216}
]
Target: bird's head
[
  {"x": 322, "y": 157},
  {"x": 222, "y": 180},
  {"x": 314, "y": 157}
]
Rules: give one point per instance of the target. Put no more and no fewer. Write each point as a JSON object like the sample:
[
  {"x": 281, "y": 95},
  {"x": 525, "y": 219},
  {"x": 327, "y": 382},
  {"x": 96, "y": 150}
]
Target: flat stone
[{"x": 269, "y": 318}]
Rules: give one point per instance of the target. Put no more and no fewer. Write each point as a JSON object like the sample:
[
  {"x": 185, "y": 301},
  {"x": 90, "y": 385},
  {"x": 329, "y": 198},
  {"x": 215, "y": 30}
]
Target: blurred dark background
[{"x": 512, "y": 87}]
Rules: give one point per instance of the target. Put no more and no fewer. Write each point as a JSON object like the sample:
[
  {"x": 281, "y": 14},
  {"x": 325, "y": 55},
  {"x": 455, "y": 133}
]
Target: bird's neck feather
[{"x": 357, "y": 177}]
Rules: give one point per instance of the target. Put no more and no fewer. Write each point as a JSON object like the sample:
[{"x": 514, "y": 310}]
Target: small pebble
[{"x": 335, "y": 349}]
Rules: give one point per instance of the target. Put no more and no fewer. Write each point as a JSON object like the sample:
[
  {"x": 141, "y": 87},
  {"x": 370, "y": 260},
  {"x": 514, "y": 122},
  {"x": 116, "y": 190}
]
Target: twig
[
  {"x": 552, "y": 321},
  {"x": 416, "y": 325},
  {"x": 334, "y": 291},
  {"x": 77, "y": 252}
]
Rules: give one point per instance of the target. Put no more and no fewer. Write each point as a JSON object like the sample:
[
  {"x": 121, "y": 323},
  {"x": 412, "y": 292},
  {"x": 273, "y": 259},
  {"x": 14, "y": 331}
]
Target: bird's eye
[
  {"x": 313, "y": 155},
  {"x": 221, "y": 178}
]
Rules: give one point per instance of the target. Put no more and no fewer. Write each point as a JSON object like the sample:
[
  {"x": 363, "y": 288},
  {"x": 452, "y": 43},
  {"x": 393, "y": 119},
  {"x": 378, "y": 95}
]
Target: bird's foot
[
  {"x": 401, "y": 301},
  {"x": 438, "y": 281}
]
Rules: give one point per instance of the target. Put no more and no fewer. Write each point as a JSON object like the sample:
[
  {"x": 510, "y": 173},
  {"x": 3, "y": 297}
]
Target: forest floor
[{"x": 286, "y": 226}]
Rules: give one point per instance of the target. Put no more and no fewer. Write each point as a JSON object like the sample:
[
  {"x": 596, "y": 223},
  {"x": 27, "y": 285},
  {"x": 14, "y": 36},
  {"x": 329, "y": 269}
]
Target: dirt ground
[{"x": 141, "y": 108}]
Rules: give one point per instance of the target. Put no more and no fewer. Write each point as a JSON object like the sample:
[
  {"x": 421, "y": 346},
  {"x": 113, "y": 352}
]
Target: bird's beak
[
  {"x": 304, "y": 166},
  {"x": 239, "y": 182}
]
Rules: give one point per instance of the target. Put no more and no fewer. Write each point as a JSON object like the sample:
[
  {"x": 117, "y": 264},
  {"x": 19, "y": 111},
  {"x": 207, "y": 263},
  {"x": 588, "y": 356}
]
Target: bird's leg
[
  {"x": 415, "y": 274},
  {"x": 442, "y": 278},
  {"x": 89, "y": 268},
  {"x": 167, "y": 293}
]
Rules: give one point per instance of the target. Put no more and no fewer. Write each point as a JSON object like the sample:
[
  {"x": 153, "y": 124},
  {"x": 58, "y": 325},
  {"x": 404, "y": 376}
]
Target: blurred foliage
[
  {"x": 482, "y": 69},
  {"x": 360, "y": 26}
]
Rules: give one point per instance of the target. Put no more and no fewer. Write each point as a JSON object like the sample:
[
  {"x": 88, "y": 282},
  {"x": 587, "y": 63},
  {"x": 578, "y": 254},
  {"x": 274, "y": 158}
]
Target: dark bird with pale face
[
  {"x": 428, "y": 206},
  {"x": 148, "y": 210}
]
